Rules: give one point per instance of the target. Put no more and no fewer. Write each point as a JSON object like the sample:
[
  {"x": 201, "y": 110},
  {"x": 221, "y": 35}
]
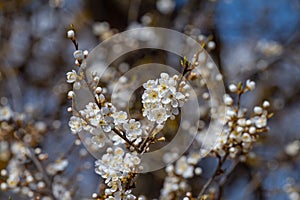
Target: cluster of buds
[{"x": 241, "y": 129}]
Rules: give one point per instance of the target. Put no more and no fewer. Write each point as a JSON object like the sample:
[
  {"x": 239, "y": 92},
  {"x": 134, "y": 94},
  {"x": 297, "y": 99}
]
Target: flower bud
[
  {"x": 71, "y": 34},
  {"x": 78, "y": 55}
]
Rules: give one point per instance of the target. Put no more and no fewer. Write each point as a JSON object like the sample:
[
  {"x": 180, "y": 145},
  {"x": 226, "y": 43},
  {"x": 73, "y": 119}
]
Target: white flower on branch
[
  {"x": 78, "y": 55},
  {"x": 114, "y": 167},
  {"x": 158, "y": 115},
  {"x": 133, "y": 129},
  {"x": 70, "y": 34},
  {"x": 120, "y": 117},
  {"x": 71, "y": 76},
  {"x": 75, "y": 124}
]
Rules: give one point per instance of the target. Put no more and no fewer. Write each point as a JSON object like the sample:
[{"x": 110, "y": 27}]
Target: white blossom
[
  {"x": 257, "y": 110},
  {"x": 71, "y": 94},
  {"x": 211, "y": 45},
  {"x": 75, "y": 124},
  {"x": 232, "y": 88},
  {"x": 70, "y": 34},
  {"x": 71, "y": 76},
  {"x": 227, "y": 100},
  {"x": 3, "y": 186},
  {"x": 158, "y": 115},
  {"x": 120, "y": 117},
  {"x": 293, "y": 148},
  {"x": 78, "y": 55},
  {"x": 13, "y": 180},
  {"x": 250, "y": 85},
  {"x": 260, "y": 122},
  {"x": 151, "y": 96},
  {"x": 133, "y": 128},
  {"x": 5, "y": 113},
  {"x": 266, "y": 104},
  {"x": 252, "y": 130}
]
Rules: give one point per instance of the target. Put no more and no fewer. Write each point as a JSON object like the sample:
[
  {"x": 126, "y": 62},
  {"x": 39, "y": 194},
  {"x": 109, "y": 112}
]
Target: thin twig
[
  {"x": 144, "y": 145},
  {"x": 225, "y": 177},
  {"x": 133, "y": 10},
  {"x": 215, "y": 174},
  {"x": 123, "y": 136},
  {"x": 38, "y": 165}
]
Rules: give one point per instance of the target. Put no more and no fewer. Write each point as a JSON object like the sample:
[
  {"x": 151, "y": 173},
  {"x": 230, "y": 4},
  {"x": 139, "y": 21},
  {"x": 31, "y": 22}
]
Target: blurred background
[{"x": 253, "y": 39}]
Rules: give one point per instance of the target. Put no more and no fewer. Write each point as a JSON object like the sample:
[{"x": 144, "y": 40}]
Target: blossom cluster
[
  {"x": 175, "y": 184},
  {"x": 107, "y": 118},
  {"x": 117, "y": 168},
  {"x": 161, "y": 98}
]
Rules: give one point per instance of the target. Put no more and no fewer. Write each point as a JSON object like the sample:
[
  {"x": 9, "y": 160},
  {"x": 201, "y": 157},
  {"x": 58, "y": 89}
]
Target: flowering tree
[{"x": 162, "y": 99}]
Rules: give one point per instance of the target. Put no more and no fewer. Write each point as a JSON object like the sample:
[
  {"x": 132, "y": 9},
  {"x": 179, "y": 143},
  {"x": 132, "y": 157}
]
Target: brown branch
[
  {"x": 213, "y": 177},
  {"x": 145, "y": 144},
  {"x": 123, "y": 136},
  {"x": 223, "y": 180}
]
